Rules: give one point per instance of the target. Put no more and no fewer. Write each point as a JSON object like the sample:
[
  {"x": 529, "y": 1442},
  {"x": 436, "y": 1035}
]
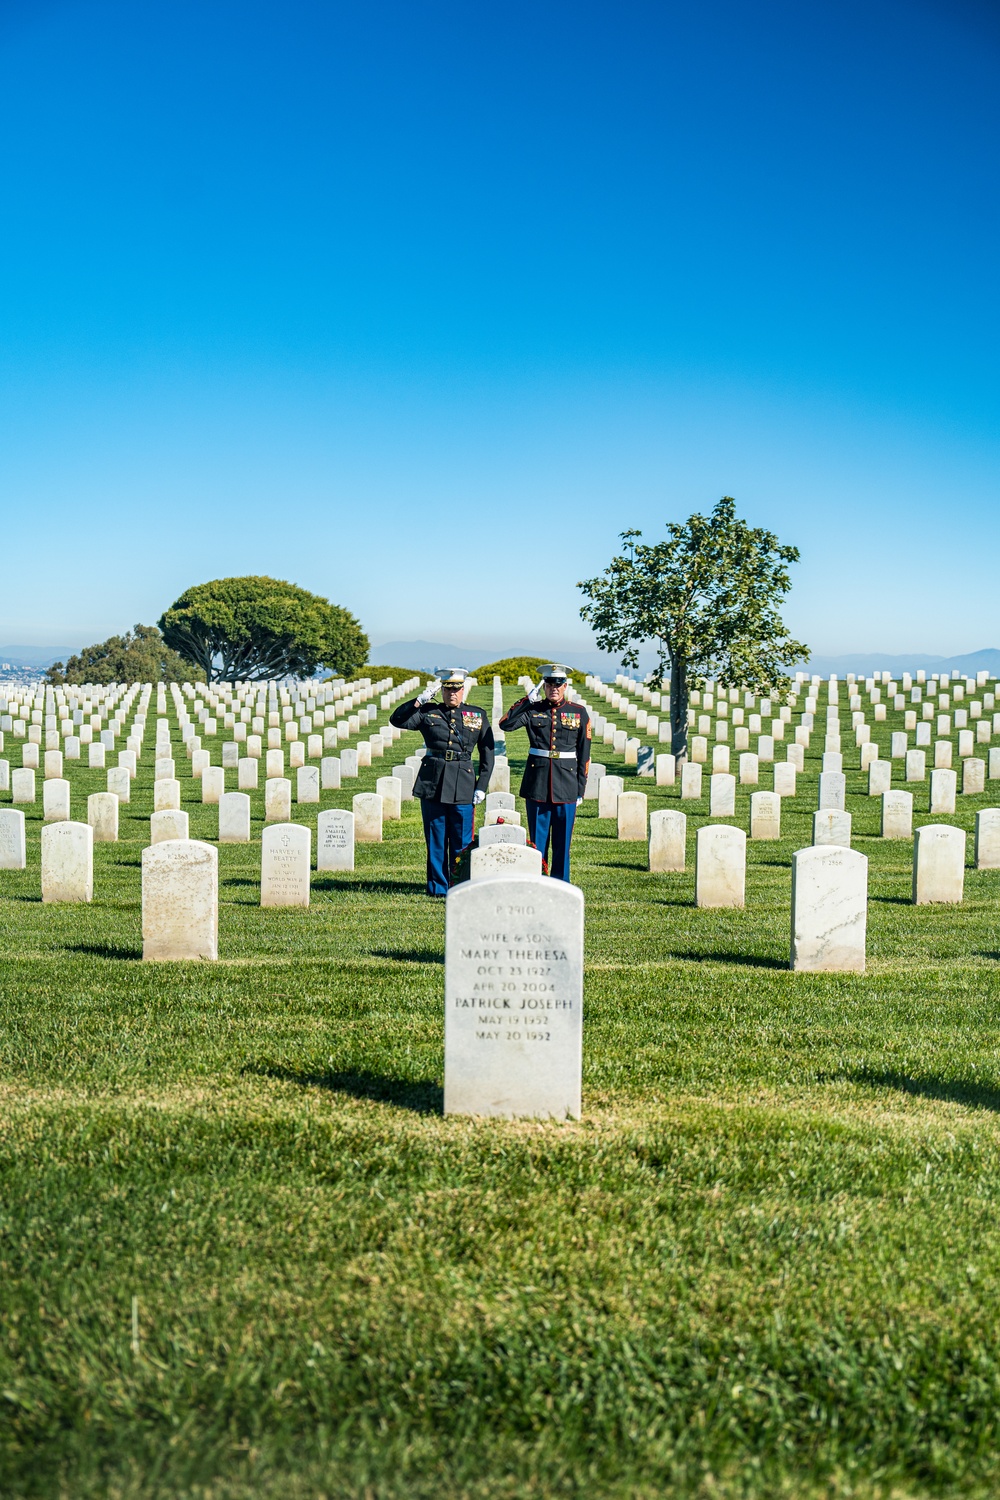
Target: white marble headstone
[
  {"x": 286, "y": 857},
  {"x": 829, "y": 910},
  {"x": 667, "y": 841},
  {"x": 67, "y": 862},
  {"x": 335, "y": 840},
  {"x": 938, "y": 864},
  {"x": 13, "y": 852},
  {"x": 720, "y": 866},
  {"x": 514, "y": 998},
  {"x": 180, "y": 900}
]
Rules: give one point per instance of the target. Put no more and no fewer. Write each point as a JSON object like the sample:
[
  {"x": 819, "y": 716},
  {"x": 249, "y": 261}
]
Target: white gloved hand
[
  {"x": 535, "y": 696},
  {"x": 478, "y": 797},
  {"x": 579, "y": 801},
  {"x": 429, "y": 691}
]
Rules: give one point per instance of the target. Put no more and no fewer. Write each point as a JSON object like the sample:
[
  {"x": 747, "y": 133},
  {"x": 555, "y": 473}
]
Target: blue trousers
[
  {"x": 553, "y": 819},
  {"x": 447, "y": 830}
]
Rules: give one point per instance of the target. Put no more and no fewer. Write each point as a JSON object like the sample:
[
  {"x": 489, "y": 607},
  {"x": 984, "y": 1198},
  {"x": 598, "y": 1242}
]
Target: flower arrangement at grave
[{"x": 461, "y": 865}]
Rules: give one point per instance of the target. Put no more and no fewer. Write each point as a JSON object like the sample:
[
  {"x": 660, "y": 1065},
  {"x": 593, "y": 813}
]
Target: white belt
[{"x": 554, "y": 754}]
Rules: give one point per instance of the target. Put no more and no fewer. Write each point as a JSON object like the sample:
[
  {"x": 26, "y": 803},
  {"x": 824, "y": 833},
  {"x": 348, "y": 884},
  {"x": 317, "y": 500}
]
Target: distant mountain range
[
  {"x": 35, "y": 656},
  {"x": 426, "y": 655}
]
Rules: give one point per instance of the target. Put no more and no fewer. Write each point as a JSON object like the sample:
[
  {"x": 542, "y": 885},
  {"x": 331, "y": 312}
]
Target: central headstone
[
  {"x": 514, "y": 998},
  {"x": 335, "y": 839},
  {"x": 720, "y": 866},
  {"x": 180, "y": 900},
  {"x": 829, "y": 910},
  {"x": 67, "y": 862}
]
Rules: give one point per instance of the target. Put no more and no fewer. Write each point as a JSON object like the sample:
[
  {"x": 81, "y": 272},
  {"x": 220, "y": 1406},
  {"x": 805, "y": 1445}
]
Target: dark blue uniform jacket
[{"x": 451, "y": 735}]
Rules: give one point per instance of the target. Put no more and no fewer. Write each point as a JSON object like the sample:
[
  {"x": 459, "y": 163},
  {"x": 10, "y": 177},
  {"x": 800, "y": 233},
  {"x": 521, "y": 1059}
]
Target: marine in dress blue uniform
[
  {"x": 446, "y": 785},
  {"x": 555, "y": 777}
]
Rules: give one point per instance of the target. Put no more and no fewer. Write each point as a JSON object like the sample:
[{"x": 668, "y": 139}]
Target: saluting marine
[
  {"x": 446, "y": 784},
  {"x": 555, "y": 777}
]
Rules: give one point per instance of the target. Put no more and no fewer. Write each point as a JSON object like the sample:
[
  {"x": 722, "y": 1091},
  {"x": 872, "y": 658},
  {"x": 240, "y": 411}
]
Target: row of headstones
[
  {"x": 514, "y": 955},
  {"x": 67, "y": 848},
  {"x": 24, "y": 786},
  {"x": 933, "y": 870},
  {"x": 880, "y": 772},
  {"x": 832, "y": 792}
]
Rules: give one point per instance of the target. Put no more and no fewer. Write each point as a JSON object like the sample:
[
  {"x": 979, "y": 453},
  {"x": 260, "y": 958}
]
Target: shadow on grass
[
  {"x": 419, "y": 1095},
  {"x": 892, "y": 900},
  {"x": 747, "y": 960},
  {"x": 410, "y": 955},
  {"x": 950, "y": 1090},
  {"x": 374, "y": 887},
  {"x": 106, "y": 950}
]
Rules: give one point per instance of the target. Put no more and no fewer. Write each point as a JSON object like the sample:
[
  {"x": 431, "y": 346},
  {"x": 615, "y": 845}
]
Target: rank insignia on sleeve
[{"x": 570, "y": 721}]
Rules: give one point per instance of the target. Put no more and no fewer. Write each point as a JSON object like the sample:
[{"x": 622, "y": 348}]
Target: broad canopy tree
[
  {"x": 708, "y": 598},
  {"x": 252, "y": 628}
]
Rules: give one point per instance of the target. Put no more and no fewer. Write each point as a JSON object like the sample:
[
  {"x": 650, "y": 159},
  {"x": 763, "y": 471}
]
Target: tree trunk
[{"x": 678, "y": 710}]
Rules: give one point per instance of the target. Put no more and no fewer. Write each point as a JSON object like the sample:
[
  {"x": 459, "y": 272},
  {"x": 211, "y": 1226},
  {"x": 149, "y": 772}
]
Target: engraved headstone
[
  {"x": 367, "y": 808},
  {"x": 13, "y": 853},
  {"x": 943, "y": 789},
  {"x": 765, "y": 815},
  {"x": 609, "y": 790},
  {"x": 55, "y": 801},
  {"x": 307, "y": 784},
  {"x": 897, "y": 815},
  {"x": 247, "y": 773},
  {"x": 277, "y": 799},
  {"x": 832, "y": 826},
  {"x": 690, "y": 782},
  {"x": 168, "y": 823},
  {"x": 785, "y": 775},
  {"x": 67, "y": 862},
  {"x": 832, "y": 791},
  {"x": 938, "y": 864},
  {"x": 502, "y": 833},
  {"x": 234, "y": 817},
  {"x": 504, "y": 859},
  {"x": 213, "y": 784},
  {"x": 120, "y": 783},
  {"x": 286, "y": 850},
  {"x": 180, "y": 900},
  {"x": 720, "y": 866},
  {"x": 102, "y": 815},
  {"x": 166, "y": 794},
  {"x": 666, "y": 769},
  {"x": 829, "y": 910},
  {"x": 22, "y": 784},
  {"x": 632, "y": 817},
  {"x": 514, "y": 998},
  {"x": 667, "y": 841},
  {"x": 335, "y": 840},
  {"x": 987, "y": 839},
  {"x": 722, "y": 796},
  {"x": 329, "y": 773},
  {"x": 973, "y": 777}
]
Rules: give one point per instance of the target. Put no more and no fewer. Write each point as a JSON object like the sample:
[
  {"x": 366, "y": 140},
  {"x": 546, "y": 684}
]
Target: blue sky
[{"x": 421, "y": 305}]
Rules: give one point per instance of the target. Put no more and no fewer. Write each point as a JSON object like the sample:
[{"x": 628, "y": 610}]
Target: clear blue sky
[{"x": 419, "y": 305}]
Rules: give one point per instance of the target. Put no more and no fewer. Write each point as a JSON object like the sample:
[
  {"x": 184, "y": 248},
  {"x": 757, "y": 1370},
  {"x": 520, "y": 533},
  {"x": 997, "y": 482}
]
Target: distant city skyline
[{"x": 420, "y": 307}]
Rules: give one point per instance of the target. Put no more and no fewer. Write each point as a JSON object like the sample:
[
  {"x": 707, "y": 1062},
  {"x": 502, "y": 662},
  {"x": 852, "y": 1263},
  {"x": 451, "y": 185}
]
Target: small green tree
[
  {"x": 511, "y": 669},
  {"x": 140, "y": 655},
  {"x": 708, "y": 598},
  {"x": 250, "y": 628}
]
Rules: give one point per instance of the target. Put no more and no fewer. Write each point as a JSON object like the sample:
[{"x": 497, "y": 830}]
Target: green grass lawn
[{"x": 765, "y": 1262}]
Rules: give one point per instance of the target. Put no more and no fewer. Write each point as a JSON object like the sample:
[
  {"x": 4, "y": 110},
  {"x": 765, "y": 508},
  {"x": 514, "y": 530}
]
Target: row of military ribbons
[{"x": 554, "y": 781}]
